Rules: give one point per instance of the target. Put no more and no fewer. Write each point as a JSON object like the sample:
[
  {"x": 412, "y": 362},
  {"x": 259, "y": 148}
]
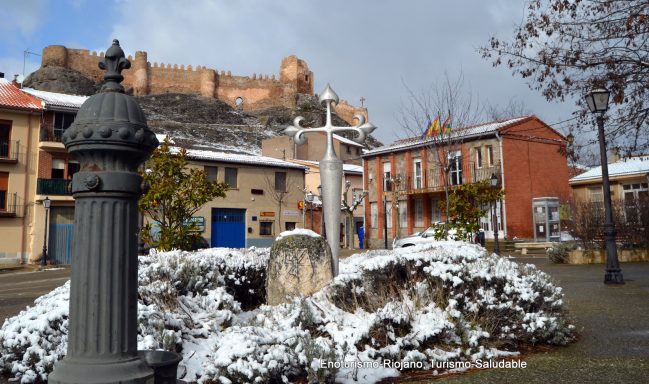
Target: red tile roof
[{"x": 13, "y": 98}]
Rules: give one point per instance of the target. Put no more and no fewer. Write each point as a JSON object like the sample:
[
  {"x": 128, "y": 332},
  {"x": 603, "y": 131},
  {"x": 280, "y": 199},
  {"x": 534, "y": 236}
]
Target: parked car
[{"x": 423, "y": 237}]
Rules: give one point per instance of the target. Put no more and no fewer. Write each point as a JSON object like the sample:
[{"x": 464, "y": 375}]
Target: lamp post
[
  {"x": 331, "y": 167},
  {"x": 494, "y": 184},
  {"x": 597, "y": 101},
  {"x": 46, "y": 205}
]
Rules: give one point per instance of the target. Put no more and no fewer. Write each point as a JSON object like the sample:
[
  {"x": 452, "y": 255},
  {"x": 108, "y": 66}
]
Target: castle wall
[
  {"x": 256, "y": 91},
  {"x": 346, "y": 111}
]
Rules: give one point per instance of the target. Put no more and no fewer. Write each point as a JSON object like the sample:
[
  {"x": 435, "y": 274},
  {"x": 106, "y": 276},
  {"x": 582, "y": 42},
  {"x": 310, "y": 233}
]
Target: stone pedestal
[{"x": 299, "y": 265}]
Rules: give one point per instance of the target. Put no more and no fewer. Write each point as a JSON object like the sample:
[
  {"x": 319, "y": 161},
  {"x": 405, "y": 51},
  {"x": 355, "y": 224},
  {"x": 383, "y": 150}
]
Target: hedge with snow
[{"x": 446, "y": 302}]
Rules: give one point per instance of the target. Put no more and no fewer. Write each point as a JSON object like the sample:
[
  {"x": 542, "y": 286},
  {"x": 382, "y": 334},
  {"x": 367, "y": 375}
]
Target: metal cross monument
[{"x": 331, "y": 167}]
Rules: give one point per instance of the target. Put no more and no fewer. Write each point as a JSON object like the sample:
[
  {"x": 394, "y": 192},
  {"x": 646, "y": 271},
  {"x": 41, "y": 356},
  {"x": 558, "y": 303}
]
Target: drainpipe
[{"x": 502, "y": 181}]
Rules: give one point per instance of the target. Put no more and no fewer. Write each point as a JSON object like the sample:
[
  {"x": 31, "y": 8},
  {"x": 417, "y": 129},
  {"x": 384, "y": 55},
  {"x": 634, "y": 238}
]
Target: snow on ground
[{"x": 445, "y": 302}]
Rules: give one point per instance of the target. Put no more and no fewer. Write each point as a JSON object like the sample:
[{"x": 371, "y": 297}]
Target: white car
[{"x": 424, "y": 237}]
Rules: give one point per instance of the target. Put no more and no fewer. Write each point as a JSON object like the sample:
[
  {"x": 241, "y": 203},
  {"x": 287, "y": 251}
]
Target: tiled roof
[
  {"x": 13, "y": 98},
  {"x": 465, "y": 133},
  {"x": 57, "y": 101},
  {"x": 347, "y": 168},
  {"x": 630, "y": 166},
  {"x": 200, "y": 154}
]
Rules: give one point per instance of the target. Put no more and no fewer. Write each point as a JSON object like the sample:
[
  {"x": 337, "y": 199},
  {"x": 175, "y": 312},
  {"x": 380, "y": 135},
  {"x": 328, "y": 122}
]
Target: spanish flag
[{"x": 434, "y": 128}]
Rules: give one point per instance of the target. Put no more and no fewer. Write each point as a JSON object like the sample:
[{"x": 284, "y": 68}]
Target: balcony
[
  {"x": 50, "y": 138},
  {"x": 61, "y": 187},
  {"x": 10, "y": 204},
  {"x": 432, "y": 180},
  {"x": 9, "y": 150}
]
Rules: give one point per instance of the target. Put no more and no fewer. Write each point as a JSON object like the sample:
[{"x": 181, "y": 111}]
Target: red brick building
[{"x": 526, "y": 154}]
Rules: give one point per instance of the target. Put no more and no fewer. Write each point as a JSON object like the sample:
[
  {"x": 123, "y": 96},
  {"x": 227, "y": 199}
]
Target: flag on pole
[
  {"x": 435, "y": 129},
  {"x": 428, "y": 129},
  {"x": 446, "y": 127}
]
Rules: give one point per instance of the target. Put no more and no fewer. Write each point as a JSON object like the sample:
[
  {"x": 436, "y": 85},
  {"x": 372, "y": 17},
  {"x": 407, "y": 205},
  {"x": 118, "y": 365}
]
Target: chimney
[
  {"x": 2, "y": 75},
  {"x": 613, "y": 155},
  {"x": 15, "y": 82}
]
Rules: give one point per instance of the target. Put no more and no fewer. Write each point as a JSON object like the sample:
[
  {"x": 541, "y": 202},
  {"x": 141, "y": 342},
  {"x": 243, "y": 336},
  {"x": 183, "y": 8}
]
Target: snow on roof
[
  {"x": 200, "y": 154},
  {"x": 467, "y": 132},
  {"x": 628, "y": 166},
  {"x": 347, "y": 168},
  {"x": 55, "y": 100},
  {"x": 347, "y": 141},
  {"x": 12, "y": 97}
]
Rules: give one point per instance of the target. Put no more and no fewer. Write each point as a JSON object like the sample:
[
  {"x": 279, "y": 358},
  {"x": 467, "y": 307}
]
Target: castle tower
[
  {"x": 54, "y": 56},
  {"x": 208, "y": 82},
  {"x": 295, "y": 72},
  {"x": 140, "y": 74}
]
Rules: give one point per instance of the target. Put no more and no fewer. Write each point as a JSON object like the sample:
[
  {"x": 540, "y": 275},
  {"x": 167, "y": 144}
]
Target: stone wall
[
  {"x": 599, "y": 256},
  {"x": 254, "y": 92}
]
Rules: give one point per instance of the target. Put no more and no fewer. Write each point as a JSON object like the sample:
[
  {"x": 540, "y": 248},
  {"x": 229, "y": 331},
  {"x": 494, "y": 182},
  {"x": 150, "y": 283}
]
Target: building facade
[
  {"x": 19, "y": 130},
  {"x": 406, "y": 182}
]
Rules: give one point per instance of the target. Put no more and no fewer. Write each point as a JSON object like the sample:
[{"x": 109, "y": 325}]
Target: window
[
  {"x": 58, "y": 169},
  {"x": 358, "y": 151},
  {"x": 73, "y": 167},
  {"x": 403, "y": 214},
  {"x": 289, "y": 225},
  {"x": 455, "y": 162},
  {"x": 61, "y": 122},
  {"x": 5, "y": 134},
  {"x": 387, "y": 185},
  {"x": 265, "y": 228},
  {"x": 636, "y": 196},
  {"x": 374, "y": 215},
  {"x": 595, "y": 194},
  {"x": 280, "y": 181},
  {"x": 419, "y": 212},
  {"x": 348, "y": 149},
  {"x": 4, "y": 184},
  {"x": 212, "y": 173},
  {"x": 478, "y": 157},
  {"x": 231, "y": 177},
  {"x": 435, "y": 212},
  {"x": 418, "y": 180},
  {"x": 490, "y": 155}
]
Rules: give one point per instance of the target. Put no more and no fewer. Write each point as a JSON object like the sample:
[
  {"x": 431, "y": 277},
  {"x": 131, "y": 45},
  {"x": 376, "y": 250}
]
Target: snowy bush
[{"x": 447, "y": 301}]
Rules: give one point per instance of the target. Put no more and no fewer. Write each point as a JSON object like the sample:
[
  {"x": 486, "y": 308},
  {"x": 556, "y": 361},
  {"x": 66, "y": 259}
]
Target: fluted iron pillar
[{"x": 110, "y": 139}]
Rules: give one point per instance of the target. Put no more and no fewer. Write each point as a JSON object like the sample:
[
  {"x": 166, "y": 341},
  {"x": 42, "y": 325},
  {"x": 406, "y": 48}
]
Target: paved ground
[
  {"x": 613, "y": 322},
  {"x": 18, "y": 289}
]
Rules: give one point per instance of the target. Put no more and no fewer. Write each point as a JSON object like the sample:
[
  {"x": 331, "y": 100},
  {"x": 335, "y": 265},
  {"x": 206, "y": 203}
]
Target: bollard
[{"x": 110, "y": 139}]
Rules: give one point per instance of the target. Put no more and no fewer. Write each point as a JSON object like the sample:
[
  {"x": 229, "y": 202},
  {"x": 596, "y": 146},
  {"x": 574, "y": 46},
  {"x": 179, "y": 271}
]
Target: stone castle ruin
[{"x": 249, "y": 93}]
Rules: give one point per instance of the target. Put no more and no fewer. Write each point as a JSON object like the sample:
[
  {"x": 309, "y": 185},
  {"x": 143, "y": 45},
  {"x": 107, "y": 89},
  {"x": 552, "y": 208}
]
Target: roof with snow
[
  {"x": 347, "y": 168},
  {"x": 638, "y": 165},
  {"x": 58, "y": 101},
  {"x": 13, "y": 98},
  {"x": 200, "y": 154},
  {"x": 464, "y": 133}
]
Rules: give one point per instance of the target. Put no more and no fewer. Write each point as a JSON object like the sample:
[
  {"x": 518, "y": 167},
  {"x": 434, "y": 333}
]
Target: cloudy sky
[{"x": 366, "y": 49}]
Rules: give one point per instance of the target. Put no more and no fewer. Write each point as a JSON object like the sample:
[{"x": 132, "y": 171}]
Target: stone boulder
[
  {"x": 299, "y": 265},
  {"x": 61, "y": 80}
]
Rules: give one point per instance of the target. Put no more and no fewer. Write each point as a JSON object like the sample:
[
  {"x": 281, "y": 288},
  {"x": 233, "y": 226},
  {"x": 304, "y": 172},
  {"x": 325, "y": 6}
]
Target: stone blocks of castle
[{"x": 255, "y": 92}]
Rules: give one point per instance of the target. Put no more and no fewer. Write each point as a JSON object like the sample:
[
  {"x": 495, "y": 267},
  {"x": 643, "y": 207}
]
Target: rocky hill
[{"x": 195, "y": 121}]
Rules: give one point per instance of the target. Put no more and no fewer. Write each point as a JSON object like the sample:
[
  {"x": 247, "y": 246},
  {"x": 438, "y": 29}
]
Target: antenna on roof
[{"x": 27, "y": 52}]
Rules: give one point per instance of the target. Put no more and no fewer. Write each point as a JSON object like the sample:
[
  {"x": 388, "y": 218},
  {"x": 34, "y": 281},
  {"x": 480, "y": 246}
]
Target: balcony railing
[
  {"x": 9, "y": 150},
  {"x": 432, "y": 180},
  {"x": 51, "y": 133},
  {"x": 54, "y": 187},
  {"x": 10, "y": 204}
]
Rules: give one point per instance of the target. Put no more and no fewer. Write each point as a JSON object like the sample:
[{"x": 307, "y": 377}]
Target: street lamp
[
  {"x": 46, "y": 205},
  {"x": 597, "y": 101},
  {"x": 331, "y": 167},
  {"x": 494, "y": 184}
]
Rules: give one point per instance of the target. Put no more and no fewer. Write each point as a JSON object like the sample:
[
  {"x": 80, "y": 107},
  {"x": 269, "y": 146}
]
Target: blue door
[
  {"x": 228, "y": 228},
  {"x": 60, "y": 244}
]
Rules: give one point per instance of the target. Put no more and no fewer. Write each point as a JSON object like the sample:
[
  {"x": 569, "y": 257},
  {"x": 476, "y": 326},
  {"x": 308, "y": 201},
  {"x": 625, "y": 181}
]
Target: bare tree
[
  {"x": 451, "y": 101},
  {"x": 277, "y": 189},
  {"x": 514, "y": 108},
  {"x": 564, "y": 48}
]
